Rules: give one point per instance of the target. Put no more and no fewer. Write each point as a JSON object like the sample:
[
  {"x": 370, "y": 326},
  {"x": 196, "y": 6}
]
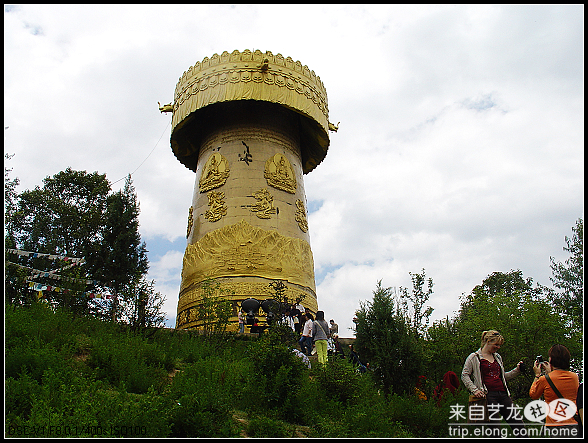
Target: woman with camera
[
  {"x": 558, "y": 382},
  {"x": 489, "y": 379}
]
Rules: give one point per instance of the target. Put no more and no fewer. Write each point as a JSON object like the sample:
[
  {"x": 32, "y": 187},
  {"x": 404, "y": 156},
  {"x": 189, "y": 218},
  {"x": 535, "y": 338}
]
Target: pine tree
[
  {"x": 123, "y": 255},
  {"x": 568, "y": 279}
]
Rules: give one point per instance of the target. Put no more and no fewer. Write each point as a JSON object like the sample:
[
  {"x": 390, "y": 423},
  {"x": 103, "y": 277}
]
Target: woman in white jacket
[{"x": 489, "y": 379}]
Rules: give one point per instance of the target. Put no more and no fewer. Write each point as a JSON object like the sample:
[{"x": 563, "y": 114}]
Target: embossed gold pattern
[
  {"x": 215, "y": 172},
  {"x": 264, "y": 208},
  {"x": 254, "y": 107},
  {"x": 237, "y": 292},
  {"x": 216, "y": 203},
  {"x": 245, "y": 250},
  {"x": 237, "y": 76},
  {"x": 190, "y": 221},
  {"x": 279, "y": 173},
  {"x": 246, "y": 76},
  {"x": 300, "y": 216}
]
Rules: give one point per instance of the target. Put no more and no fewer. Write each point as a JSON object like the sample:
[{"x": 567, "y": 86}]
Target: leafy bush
[
  {"x": 31, "y": 358},
  {"x": 196, "y": 417},
  {"x": 278, "y": 376},
  {"x": 338, "y": 381},
  {"x": 133, "y": 361},
  {"x": 19, "y": 396},
  {"x": 264, "y": 427},
  {"x": 386, "y": 340},
  {"x": 421, "y": 418}
]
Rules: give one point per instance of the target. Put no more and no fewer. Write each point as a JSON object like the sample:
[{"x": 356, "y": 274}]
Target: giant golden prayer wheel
[{"x": 250, "y": 125}]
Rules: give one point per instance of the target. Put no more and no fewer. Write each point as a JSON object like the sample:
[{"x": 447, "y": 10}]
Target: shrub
[
  {"x": 130, "y": 415},
  {"x": 131, "y": 361},
  {"x": 278, "y": 374},
  {"x": 195, "y": 417},
  {"x": 19, "y": 396},
  {"x": 106, "y": 378},
  {"x": 265, "y": 427},
  {"x": 339, "y": 381},
  {"x": 421, "y": 418},
  {"x": 31, "y": 358}
]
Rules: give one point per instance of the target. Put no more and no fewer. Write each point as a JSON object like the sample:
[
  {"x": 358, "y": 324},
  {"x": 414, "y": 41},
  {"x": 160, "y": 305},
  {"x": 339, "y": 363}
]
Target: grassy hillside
[{"x": 81, "y": 377}]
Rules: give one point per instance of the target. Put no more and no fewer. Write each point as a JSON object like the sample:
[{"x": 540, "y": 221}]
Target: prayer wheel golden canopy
[{"x": 250, "y": 125}]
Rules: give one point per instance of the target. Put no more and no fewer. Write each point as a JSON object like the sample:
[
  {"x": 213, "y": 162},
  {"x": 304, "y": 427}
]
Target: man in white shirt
[{"x": 306, "y": 338}]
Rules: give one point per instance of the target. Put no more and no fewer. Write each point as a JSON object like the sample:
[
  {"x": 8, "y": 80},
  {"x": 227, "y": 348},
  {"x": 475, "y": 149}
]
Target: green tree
[
  {"x": 213, "y": 311},
  {"x": 442, "y": 353},
  {"x": 143, "y": 306},
  {"x": 120, "y": 260},
  {"x": 15, "y": 289},
  {"x": 64, "y": 217},
  {"x": 510, "y": 304},
  {"x": 75, "y": 215},
  {"x": 386, "y": 340},
  {"x": 568, "y": 279},
  {"x": 9, "y": 192},
  {"x": 417, "y": 314}
]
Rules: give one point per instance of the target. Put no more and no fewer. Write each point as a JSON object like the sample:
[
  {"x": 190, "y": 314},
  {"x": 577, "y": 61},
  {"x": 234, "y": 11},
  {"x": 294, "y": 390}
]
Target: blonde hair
[{"x": 491, "y": 336}]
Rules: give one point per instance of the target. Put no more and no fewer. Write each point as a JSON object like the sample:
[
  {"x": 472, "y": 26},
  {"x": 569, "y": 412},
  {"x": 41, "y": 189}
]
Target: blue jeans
[{"x": 305, "y": 343}]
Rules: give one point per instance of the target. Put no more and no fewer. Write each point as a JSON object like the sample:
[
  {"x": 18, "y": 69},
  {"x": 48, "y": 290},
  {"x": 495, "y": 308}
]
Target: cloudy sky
[{"x": 460, "y": 149}]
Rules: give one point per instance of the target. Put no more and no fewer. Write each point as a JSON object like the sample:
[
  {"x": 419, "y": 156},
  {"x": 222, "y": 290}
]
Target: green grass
[{"x": 82, "y": 377}]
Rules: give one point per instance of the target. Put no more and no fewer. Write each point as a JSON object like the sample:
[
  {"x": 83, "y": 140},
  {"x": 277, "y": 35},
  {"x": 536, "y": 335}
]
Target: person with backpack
[{"x": 320, "y": 334}]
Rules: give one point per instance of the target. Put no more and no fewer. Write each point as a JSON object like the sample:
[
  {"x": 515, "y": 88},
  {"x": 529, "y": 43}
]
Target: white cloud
[{"x": 165, "y": 271}]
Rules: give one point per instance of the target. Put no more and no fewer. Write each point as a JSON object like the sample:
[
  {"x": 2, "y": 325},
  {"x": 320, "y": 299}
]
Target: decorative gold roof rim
[
  {"x": 247, "y": 55},
  {"x": 255, "y": 76}
]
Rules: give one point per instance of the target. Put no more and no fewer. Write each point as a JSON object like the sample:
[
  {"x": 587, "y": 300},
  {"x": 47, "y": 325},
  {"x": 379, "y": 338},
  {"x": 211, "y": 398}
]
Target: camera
[{"x": 539, "y": 359}]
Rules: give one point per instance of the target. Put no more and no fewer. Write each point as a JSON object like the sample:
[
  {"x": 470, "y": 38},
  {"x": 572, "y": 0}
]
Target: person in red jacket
[{"x": 450, "y": 383}]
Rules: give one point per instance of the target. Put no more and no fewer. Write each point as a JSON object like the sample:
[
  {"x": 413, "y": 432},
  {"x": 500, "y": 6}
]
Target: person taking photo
[{"x": 558, "y": 382}]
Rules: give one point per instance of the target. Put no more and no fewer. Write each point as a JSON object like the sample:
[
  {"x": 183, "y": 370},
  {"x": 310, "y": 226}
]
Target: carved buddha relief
[
  {"x": 279, "y": 173},
  {"x": 215, "y": 172}
]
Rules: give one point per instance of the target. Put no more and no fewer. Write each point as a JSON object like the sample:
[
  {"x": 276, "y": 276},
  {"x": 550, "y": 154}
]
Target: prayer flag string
[
  {"x": 36, "y": 273},
  {"x": 39, "y": 287},
  {"x": 42, "y": 255}
]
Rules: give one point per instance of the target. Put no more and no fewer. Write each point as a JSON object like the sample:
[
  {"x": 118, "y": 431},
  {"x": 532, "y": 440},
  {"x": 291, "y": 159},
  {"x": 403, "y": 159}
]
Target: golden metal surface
[
  {"x": 190, "y": 221},
  {"x": 245, "y": 250},
  {"x": 264, "y": 207},
  {"x": 237, "y": 290},
  {"x": 215, "y": 173},
  {"x": 300, "y": 216},
  {"x": 279, "y": 173},
  {"x": 247, "y": 226},
  {"x": 250, "y": 76},
  {"x": 217, "y": 206}
]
